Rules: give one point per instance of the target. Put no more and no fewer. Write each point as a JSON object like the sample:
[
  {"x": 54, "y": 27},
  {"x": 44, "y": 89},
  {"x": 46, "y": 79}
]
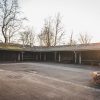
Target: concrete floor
[{"x": 47, "y": 81}]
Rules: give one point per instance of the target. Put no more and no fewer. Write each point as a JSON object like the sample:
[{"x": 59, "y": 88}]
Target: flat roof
[{"x": 78, "y": 47}]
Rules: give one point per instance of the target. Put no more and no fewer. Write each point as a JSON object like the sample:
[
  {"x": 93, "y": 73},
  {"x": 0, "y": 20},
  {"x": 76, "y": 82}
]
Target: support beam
[
  {"x": 45, "y": 58},
  {"x": 55, "y": 54},
  {"x": 36, "y": 57},
  {"x": 59, "y": 59},
  {"x": 19, "y": 57},
  {"x": 75, "y": 57},
  {"x": 40, "y": 56},
  {"x": 22, "y": 55},
  {"x": 80, "y": 58}
]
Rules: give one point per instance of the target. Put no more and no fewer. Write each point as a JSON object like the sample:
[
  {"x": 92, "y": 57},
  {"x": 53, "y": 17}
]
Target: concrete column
[
  {"x": 19, "y": 57},
  {"x": 80, "y": 61},
  {"x": 22, "y": 56},
  {"x": 40, "y": 56},
  {"x": 33, "y": 57},
  {"x": 75, "y": 57},
  {"x": 55, "y": 54},
  {"x": 45, "y": 57},
  {"x": 36, "y": 57},
  {"x": 59, "y": 59}
]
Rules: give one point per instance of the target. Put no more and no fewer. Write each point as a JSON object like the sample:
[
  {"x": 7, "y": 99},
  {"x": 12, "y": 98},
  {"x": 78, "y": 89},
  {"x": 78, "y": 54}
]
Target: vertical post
[
  {"x": 59, "y": 59},
  {"x": 55, "y": 54},
  {"x": 75, "y": 57},
  {"x": 40, "y": 56},
  {"x": 22, "y": 56},
  {"x": 36, "y": 57},
  {"x": 80, "y": 58},
  {"x": 33, "y": 56},
  {"x": 45, "y": 57},
  {"x": 19, "y": 57}
]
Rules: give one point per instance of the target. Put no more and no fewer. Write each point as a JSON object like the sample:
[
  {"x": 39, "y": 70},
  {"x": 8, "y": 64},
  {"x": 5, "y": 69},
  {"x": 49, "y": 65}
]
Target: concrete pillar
[
  {"x": 59, "y": 57},
  {"x": 19, "y": 57},
  {"x": 80, "y": 59},
  {"x": 40, "y": 56},
  {"x": 55, "y": 54},
  {"x": 45, "y": 57},
  {"x": 75, "y": 57},
  {"x": 33, "y": 57},
  {"x": 22, "y": 56},
  {"x": 36, "y": 57}
]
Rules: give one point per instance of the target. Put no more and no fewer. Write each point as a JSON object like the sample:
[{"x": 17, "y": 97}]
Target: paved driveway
[{"x": 47, "y": 81}]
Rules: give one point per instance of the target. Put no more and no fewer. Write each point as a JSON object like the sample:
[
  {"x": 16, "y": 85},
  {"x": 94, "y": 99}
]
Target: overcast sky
[{"x": 77, "y": 15}]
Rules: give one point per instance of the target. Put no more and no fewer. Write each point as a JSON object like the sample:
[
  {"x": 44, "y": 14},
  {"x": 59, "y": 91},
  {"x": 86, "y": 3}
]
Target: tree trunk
[{"x": 6, "y": 40}]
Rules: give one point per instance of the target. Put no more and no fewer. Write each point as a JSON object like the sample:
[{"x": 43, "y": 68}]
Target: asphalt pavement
[{"x": 47, "y": 81}]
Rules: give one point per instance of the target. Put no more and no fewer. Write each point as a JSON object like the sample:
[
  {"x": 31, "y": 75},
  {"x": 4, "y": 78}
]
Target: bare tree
[
  {"x": 46, "y": 37},
  {"x": 84, "y": 38},
  {"x": 71, "y": 40},
  {"x": 59, "y": 31},
  {"x": 27, "y": 37},
  {"x": 52, "y": 32},
  {"x": 9, "y": 20},
  {"x": 15, "y": 27}
]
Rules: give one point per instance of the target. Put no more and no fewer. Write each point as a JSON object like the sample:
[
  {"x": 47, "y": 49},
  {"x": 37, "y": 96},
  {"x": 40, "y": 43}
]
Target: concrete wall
[{"x": 90, "y": 57}]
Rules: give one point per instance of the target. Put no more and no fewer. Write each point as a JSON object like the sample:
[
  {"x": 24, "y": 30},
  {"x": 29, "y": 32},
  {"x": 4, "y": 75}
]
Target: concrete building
[{"x": 79, "y": 54}]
